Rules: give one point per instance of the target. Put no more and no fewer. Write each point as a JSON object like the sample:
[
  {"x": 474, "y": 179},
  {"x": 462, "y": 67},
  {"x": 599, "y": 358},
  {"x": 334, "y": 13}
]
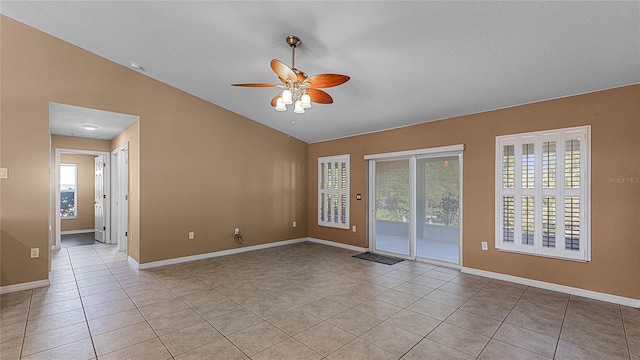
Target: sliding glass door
[
  {"x": 415, "y": 204},
  {"x": 392, "y": 207},
  {"x": 438, "y": 208}
]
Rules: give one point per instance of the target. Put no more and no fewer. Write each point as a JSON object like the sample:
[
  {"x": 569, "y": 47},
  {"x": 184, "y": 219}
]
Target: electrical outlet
[
  {"x": 485, "y": 246},
  {"x": 192, "y": 235},
  {"x": 295, "y": 224},
  {"x": 236, "y": 231},
  {"x": 353, "y": 228},
  {"x": 35, "y": 253}
]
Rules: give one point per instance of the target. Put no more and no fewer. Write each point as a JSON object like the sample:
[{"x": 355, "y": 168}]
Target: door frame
[
  {"x": 411, "y": 156},
  {"x": 107, "y": 184},
  {"x": 120, "y": 192},
  {"x": 372, "y": 207},
  {"x": 460, "y": 160}
]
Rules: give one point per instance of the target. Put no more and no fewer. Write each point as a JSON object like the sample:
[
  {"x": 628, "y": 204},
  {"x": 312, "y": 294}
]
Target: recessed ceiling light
[
  {"x": 90, "y": 127},
  {"x": 135, "y": 65}
]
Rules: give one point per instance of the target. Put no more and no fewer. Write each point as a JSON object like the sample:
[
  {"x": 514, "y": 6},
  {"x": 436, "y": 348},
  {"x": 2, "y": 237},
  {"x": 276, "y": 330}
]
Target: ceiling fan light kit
[{"x": 298, "y": 88}]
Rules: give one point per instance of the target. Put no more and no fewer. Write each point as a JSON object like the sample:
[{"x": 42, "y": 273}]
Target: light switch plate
[{"x": 4, "y": 173}]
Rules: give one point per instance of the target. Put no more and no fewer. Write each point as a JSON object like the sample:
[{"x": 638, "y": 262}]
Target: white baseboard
[
  {"x": 337, "y": 244},
  {"x": 24, "y": 286},
  {"x": 184, "y": 259},
  {"x": 555, "y": 287},
  {"x": 218, "y": 253},
  {"x": 133, "y": 262},
  {"x": 70, "y": 232}
]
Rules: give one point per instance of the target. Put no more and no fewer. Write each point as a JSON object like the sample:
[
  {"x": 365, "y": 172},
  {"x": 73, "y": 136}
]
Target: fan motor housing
[{"x": 293, "y": 41}]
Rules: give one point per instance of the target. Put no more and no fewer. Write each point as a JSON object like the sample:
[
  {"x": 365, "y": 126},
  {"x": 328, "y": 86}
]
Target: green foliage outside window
[{"x": 441, "y": 188}]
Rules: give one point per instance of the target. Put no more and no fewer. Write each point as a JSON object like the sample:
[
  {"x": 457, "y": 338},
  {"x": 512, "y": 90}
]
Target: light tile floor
[{"x": 303, "y": 301}]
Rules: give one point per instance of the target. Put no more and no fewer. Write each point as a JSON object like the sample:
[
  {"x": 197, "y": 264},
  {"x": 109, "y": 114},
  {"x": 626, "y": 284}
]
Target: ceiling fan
[{"x": 299, "y": 89}]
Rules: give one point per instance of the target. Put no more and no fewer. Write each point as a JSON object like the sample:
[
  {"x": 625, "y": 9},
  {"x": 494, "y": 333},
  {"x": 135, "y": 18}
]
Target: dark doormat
[{"x": 387, "y": 260}]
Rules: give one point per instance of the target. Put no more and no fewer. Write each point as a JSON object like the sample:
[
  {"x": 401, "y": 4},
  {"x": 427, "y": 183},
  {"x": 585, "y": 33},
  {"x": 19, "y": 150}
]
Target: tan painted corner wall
[
  {"x": 614, "y": 116},
  {"x": 201, "y": 167},
  {"x": 85, "y": 165}
]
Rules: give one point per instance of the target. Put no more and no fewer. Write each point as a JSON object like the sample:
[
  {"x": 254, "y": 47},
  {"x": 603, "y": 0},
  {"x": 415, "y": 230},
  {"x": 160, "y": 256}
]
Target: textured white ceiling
[
  {"x": 68, "y": 120},
  {"x": 409, "y": 62}
]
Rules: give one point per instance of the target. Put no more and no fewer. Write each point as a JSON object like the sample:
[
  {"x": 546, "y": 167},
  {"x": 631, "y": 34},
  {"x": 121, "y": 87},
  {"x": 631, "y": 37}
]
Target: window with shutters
[
  {"x": 542, "y": 193},
  {"x": 333, "y": 191}
]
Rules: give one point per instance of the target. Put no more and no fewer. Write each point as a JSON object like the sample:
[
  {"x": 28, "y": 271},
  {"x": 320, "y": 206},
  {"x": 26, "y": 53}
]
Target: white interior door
[{"x": 100, "y": 196}]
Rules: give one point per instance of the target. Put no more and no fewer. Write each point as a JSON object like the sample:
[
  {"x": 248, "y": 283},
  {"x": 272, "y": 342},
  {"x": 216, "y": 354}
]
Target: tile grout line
[
  {"x": 624, "y": 330},
  {"x": 95, "y": 353},
  {"x": 26, "y": 323},
  {"x": 564, "y": 316}
]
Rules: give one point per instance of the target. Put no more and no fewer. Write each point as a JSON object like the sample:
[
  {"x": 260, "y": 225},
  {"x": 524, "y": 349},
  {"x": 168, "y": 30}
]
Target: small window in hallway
[{"x": 68, "y": 191}]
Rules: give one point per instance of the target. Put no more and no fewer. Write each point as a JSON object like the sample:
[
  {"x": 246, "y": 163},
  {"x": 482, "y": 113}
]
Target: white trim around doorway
[
  {"x": 56, "y": 205},
  {"x": 119, "y": 196}
]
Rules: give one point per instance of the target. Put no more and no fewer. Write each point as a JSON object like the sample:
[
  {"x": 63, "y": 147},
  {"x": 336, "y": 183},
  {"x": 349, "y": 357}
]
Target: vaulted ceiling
[{"x": 409, "y": 62}]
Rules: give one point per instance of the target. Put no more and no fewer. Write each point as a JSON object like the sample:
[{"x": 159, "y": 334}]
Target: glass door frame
[
  {"x": 371, "y": 204},
  {"x": 412, "y": 156}
]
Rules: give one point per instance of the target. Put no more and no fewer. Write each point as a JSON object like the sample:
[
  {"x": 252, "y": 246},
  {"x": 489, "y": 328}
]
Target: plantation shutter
[
  {"x": 333, "y": 191},
  {"x": 541, "y": 193}
]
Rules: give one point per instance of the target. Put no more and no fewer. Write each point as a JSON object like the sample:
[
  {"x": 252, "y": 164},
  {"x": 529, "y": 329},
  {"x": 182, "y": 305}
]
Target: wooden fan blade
[
  {"x": 282, "y": 70},
  {"x": 274, "y": 100},
  {"x": 319, "y": 96},
  {"x": 327, "y": 80},
  {"x": 256, "y": 85}
]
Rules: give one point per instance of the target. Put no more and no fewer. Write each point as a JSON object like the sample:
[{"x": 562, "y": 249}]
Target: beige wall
[
  {"x": 85, "y": 167},
  {"x": 201, "y": 167},
  {"x": 614, "y": 116}
]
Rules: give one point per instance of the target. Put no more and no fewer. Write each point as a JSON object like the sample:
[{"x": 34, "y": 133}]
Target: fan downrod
[{"x": 294, "y": 42}]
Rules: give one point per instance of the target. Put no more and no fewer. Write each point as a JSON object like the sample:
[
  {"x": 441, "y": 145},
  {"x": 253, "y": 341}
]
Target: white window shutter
[
  {"x": 542, "y": 193},
  {"x": 333, "y": 191}
]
